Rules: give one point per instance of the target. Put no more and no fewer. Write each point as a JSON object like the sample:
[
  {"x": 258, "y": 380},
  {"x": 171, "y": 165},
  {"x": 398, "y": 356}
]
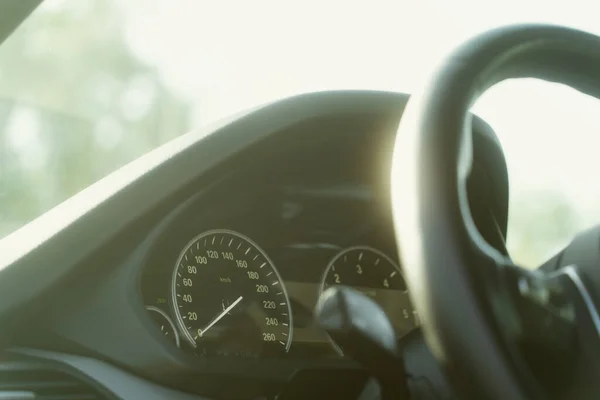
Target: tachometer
[
  {"x": 374, "y": 274},
  {"x": 229, "y": 298}
]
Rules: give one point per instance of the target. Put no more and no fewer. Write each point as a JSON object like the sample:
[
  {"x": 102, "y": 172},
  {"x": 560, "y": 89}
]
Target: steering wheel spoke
[{"x": 576, "y": 374}]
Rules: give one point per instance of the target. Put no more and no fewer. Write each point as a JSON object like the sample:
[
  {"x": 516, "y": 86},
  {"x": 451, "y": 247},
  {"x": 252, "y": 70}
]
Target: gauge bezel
[
  {"x": 378, "y": 253},
  {"x": 171, "y": 323},
  {"x": 352, "y": 248},
  {"x": 335, "y": 258},
  {"x": 179, "y": 320}
]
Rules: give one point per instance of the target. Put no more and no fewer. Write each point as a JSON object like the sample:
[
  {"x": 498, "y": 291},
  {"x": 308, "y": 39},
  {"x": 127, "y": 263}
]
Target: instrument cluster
[
  {"x": 226, "y": 297},
  {"x": 244, "y": 281},
  {"x": 238, "y": 268}
]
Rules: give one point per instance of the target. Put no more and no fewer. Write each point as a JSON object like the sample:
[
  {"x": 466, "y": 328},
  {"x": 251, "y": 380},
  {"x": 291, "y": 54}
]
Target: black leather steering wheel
[{"x": 490, "y": 323}]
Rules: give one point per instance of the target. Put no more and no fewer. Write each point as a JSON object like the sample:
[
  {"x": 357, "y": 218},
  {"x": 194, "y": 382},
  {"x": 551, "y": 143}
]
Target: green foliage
[{"x": 70, "y": 74}]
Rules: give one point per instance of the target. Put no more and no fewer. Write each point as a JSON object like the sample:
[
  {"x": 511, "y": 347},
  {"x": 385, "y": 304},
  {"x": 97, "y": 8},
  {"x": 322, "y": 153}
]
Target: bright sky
[{"x": 228, "y": 55}]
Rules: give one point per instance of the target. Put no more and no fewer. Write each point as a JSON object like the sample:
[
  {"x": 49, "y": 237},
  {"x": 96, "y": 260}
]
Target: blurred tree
[
  {"x": 540, "y": 224},
  {"x": 75, "y": 104}
]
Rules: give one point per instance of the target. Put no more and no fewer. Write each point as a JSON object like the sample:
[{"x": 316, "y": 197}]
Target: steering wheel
[{"x": 498, "y": 330}]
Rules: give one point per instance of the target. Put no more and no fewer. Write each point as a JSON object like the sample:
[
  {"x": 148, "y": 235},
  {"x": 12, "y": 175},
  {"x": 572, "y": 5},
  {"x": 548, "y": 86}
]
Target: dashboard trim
[{"x": 120, "y": 383}]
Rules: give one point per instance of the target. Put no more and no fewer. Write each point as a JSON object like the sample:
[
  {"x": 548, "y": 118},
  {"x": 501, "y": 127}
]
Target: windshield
[{"x": 87, "y": 86}]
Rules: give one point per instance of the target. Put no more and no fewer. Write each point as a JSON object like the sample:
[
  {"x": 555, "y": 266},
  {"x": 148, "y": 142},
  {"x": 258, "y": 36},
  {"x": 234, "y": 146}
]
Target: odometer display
[{"x": 229, "y": 299}]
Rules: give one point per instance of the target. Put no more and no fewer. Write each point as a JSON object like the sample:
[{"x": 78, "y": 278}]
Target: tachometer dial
[
  {"x": 164, "y": 323},
  {"x": 229, "y": 298},
  {"x": 374, "y": 274}
]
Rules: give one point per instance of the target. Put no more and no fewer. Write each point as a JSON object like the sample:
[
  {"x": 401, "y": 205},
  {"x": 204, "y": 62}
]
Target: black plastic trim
[{"x": 119, "y": 383}]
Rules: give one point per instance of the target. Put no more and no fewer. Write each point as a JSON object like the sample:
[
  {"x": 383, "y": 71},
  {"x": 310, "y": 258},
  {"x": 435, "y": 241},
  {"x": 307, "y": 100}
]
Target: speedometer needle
[{"x": 218, "y": 317}]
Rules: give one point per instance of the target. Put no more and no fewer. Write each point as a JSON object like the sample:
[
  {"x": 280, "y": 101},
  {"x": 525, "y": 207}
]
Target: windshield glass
[{"x": 89, "y": 85}]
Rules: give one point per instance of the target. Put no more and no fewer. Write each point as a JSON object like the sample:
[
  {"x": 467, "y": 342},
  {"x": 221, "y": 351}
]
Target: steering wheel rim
[{"x": 447, "y": 263}]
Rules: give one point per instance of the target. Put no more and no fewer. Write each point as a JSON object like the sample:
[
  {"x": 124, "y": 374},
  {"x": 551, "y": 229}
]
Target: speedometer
[{"x": 229, "y": 298}]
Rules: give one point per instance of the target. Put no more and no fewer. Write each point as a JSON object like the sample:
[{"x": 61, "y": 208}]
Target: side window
[
  {"x": 550, "y": 138},
  {"x": 76, "y": 103}
]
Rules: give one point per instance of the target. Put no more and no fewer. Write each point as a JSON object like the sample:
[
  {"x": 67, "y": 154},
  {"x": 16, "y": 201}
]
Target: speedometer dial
[
  {"x": 229, "y": 298},
  {"x": 376, "y": 275}
]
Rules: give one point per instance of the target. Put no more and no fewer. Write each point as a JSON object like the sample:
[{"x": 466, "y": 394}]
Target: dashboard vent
[{"x": 20, "y": 380}]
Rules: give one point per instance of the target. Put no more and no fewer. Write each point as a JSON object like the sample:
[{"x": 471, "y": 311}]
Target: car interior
[{"x": 344, "y": 244}]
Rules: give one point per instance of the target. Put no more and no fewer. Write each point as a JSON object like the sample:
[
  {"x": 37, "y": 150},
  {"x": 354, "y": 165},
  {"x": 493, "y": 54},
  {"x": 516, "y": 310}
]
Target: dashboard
[
  {"x": 243, "y": 279},
  {"x": 201, "y": 267},
  {"x": 237, "y": 270}
]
